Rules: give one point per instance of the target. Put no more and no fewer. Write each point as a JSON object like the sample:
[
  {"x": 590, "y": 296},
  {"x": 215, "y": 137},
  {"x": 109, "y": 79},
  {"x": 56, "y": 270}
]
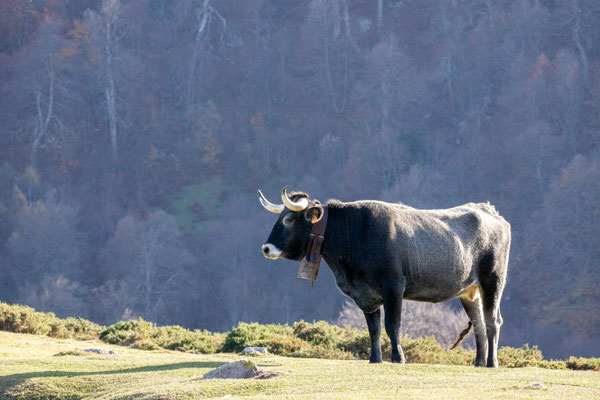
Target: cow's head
[{"x": 289, "y": 236}]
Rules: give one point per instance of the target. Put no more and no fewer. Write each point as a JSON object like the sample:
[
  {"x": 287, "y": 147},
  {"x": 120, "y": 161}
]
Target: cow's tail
[{"x": 462, "y": 336}]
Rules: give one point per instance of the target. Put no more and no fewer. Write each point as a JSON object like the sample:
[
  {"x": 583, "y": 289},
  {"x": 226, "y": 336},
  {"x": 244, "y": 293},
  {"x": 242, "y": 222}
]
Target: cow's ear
[{"x": 314, "y": 213}]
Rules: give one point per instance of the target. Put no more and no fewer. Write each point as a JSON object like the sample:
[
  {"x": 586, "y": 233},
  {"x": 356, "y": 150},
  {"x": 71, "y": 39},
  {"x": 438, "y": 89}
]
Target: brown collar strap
[{"x": 309, "y": 265}]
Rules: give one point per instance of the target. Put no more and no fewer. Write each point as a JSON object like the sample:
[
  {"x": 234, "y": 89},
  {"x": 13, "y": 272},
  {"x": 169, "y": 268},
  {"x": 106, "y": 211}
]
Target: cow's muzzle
[{"x": 270, "y": 251}]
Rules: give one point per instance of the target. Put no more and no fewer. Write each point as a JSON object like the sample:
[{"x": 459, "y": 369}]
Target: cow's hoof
[
  {"x": 480, "y": 363},
  {"x": 492, "y": 363},
  {"x": 398, "y": 359},
  {"x": 375, "y": 361}
]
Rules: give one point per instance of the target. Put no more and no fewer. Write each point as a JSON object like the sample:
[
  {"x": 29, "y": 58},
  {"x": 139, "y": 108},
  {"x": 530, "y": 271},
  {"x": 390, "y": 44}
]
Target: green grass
[
  {"x": 30, "y": 369},
  {"x": 205, "y": 197}
]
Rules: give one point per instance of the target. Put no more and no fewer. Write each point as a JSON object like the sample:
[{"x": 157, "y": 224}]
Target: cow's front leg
[
  {"x": 392, "y": 304},
  {"x": 374, "y": 325}
]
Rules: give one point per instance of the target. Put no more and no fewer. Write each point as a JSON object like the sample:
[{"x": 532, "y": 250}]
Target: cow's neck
[
  {"x": 345, "y": 251},
  {"x": 342, "y": 244}
]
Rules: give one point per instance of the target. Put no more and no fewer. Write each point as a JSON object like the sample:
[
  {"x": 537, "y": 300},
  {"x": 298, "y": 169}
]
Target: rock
[
  {"x": 101, "y": 351},
  {"x": 242, "y": 369},
  {"x": 538, "y": 385},
  {"x": 255, "y": 351},
  {"x": 70, "y": 353}
]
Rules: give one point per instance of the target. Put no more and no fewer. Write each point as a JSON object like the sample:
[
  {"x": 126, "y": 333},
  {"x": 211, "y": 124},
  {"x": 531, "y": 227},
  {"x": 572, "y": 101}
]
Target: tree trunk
[
  {"x": 110, "y": 94},
  {"x": 42, "y": 122},
  {"x": 380, "y": 17},
  {"x": 580, "y": 48}
]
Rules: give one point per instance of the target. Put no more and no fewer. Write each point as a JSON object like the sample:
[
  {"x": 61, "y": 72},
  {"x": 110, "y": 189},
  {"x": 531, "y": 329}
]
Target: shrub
[
  {"x": 583, "y": 363},
  {"x": 145, "y": 344},
  {"x": 419, "y": 319},
  {"x": 125, "y": 332},
  {"x": 146, "y": 335},
  {"x": 552, "y": 364},
  {"x": 177, "y": 338},
  {"x": 254, "y": 334},
  {"x": 314, "y": 340},
  {"x": 323, "y": 352},
  {"x": 428, "y": 351},
  {"x": 77, "y": 328},
  {"x": 318, "y": 339},
  {"x": 519, "y": 357},
  {"x": 23, "y": 319},
  {"x": 331, "y": 341},
  {"x": 322, "y": 333},
  {"x": 360, "y": 345},
  {"x": 284, "y": 346}
]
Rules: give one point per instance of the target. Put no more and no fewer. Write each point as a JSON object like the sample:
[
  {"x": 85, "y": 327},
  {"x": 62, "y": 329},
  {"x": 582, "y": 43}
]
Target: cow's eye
[{"x": 288, "y": 219}]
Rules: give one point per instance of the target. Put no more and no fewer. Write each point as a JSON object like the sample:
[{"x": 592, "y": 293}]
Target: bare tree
[
  {"x": 107, "y": 30},
  {"x": 328, "y": 17},
  {"x": 146, "y": 252},
  {"x": 42, "y": 93},
  {"x": 380, "y": 16},
  {"x": 205, "y": 14},
  {"x": 44, "y": 245}
]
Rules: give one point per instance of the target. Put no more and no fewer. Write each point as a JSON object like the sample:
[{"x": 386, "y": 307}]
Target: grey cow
[{"x": 381, "y": 253}]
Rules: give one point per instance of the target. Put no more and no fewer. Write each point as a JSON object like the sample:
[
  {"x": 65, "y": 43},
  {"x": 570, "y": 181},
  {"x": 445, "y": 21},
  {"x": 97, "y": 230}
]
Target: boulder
[
  {"x": 538, "y": 385},
  {"x": 101, "y": 351},
  {"x": 242, "y": 369},
  {"x": 255, "y": 351}
]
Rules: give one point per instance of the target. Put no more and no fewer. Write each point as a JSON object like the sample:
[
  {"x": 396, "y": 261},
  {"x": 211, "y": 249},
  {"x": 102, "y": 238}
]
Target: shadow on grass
[{"x": 8, "y": 381}]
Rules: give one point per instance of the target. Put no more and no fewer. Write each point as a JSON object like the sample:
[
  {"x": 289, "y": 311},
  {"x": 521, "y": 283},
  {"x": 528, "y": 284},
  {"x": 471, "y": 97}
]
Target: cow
[{"x": 381, "y": 253}]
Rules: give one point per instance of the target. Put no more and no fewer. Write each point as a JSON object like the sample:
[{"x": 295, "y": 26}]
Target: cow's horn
[
  {"x": 289, "y": 203},
  {"x": 274, "y": 208}
]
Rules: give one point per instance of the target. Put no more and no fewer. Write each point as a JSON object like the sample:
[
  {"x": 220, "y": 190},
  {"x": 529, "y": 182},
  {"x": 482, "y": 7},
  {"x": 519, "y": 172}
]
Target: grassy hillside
[
  {"x": 302, "y": 339},
  {"x": 31, "y": 369}
]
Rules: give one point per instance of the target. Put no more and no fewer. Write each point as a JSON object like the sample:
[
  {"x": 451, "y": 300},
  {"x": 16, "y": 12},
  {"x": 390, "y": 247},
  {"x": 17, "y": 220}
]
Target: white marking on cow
[
  {"x": 271, "y": 251},
  {"x": 471, "y": 293}
]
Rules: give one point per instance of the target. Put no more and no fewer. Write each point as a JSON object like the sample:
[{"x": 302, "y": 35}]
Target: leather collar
[{"x": 309, "y": 265}]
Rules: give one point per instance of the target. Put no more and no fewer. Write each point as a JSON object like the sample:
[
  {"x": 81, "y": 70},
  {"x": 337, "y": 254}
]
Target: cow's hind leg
[
  {"x": 374, "y": 325},
  {"x": 474, "y": 310},
  {"x": 492, "y": 276}
]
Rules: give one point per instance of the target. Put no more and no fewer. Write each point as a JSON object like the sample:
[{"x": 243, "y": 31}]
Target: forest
[{"x": 134, "y": 135}]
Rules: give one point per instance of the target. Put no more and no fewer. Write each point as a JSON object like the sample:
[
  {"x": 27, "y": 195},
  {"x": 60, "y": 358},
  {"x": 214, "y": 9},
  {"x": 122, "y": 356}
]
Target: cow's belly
[
  {"x": 436, "y": 289},
  {"x": 438, "y": 273}
]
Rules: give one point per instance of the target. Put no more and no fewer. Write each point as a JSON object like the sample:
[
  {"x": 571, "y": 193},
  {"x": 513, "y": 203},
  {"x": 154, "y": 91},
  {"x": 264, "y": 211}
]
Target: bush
[
  {"x": 145, "y": 344},
  {"x": 124, "y": 332},
  {"x": 254, "y": 334},
  {"x": 198, "y": 341},
  {"x": 360, "y": 345},
  {"x": 146, "y": 335},
  {"x": 318, "y": 339},
  {"x": 77, "y": 328},
  {"x": 519, "y": 357},
  {"x": 322, "y": 333},
  {"x": 419, "y": 319},
  {"x": 23, "y": 319},
  {"x": 581, "y": 363},
  {"x": 312, "y": 340},
  {"x": 428, "y": 351},
  {"x": 323, "y": 352},
  {"x": 332, "y": 341},
  {"x": 284, "y": 346}
]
